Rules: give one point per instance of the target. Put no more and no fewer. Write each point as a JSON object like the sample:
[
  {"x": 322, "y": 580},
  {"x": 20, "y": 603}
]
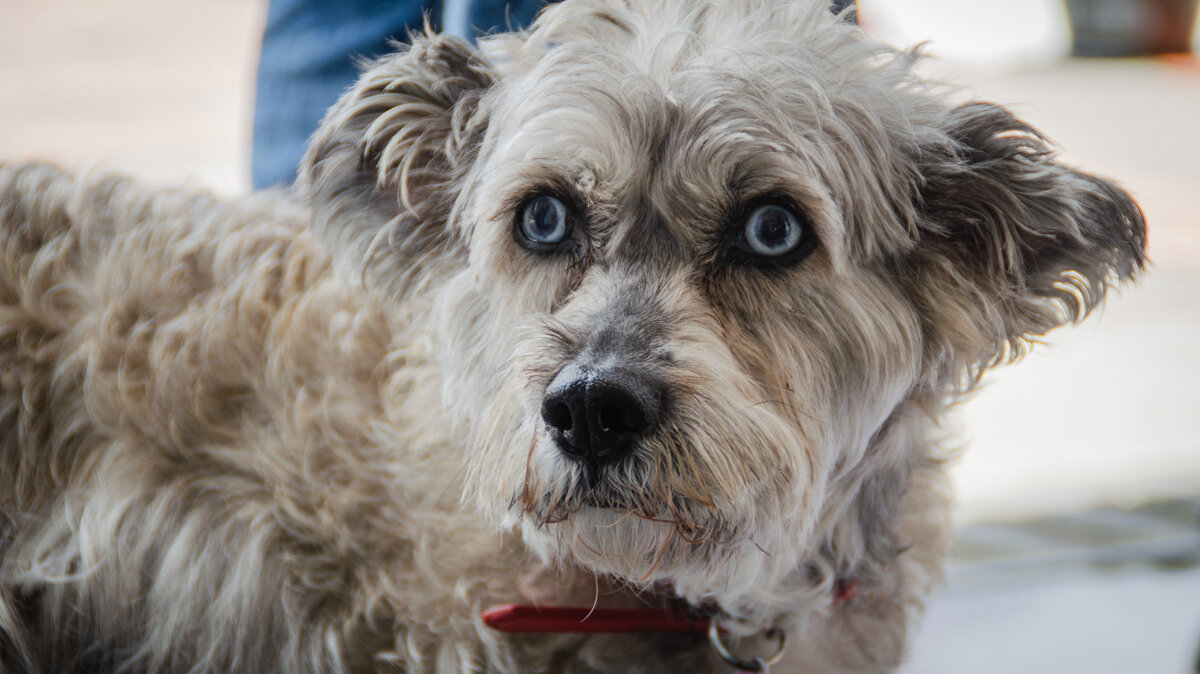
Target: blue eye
[
  {"x": 544, "y": 221},
  {"x": 771, "y": 231}
]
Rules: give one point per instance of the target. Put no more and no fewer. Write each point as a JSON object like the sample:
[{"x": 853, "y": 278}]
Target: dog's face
[{"x": 687, "y": 267}]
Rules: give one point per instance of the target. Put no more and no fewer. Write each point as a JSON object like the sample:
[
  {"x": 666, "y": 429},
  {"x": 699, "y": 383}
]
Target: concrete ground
[
  {"x": 1101, "y": 421},
  {"x": 1102, "y": 591}
]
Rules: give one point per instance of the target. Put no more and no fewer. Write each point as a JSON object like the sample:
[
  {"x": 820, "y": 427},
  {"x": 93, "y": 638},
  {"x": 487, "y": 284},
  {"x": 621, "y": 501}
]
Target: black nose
[{"x": 596, "y": 414}]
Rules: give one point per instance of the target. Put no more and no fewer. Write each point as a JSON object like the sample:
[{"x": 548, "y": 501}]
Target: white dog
[{"x": 657, "y": 304}]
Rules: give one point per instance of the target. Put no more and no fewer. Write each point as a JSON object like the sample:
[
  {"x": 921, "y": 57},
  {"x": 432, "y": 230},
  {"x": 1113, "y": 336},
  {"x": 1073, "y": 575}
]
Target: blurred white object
[{"x": 984, "y": 34}]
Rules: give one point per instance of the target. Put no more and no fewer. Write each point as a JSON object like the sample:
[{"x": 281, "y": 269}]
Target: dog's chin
[
  {"x": 700, "y": 560},
  {"x": 614, "y": 542},
  {"x": 652, "y": 558}
]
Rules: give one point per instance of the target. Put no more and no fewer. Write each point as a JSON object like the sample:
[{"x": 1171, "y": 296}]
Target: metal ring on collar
[{"x": 752, "y": 665}]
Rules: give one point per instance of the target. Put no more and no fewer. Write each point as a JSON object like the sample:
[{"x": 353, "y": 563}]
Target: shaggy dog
[{"x": 655, "y": 304}]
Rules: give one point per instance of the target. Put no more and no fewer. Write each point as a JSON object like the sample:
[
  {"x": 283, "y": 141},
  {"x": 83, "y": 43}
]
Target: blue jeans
[{"x": 309, "y": 54}]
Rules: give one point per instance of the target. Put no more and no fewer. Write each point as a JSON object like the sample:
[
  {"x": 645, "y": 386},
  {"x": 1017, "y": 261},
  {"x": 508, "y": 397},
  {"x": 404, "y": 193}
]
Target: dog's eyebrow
[{"x": 549, "y": 183}]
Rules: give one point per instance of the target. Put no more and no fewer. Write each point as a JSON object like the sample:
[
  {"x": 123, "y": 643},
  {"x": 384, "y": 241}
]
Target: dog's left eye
[
  {"x": 772, "y": 231},
  {"x": 544, "y": 221}
]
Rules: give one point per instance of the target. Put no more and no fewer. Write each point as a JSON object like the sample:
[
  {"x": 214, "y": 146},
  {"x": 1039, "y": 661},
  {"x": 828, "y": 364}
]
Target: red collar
[{"x": 570, "y": 619}]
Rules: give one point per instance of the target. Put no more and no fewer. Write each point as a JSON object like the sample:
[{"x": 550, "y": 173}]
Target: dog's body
[{"x": 671, "y": 298}]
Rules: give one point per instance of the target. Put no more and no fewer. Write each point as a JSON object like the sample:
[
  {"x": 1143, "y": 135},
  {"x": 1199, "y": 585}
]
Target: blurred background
[{"x": 1078, "y": 548}]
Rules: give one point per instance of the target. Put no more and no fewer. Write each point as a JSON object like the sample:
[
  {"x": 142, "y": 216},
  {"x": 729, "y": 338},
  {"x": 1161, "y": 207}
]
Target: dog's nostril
[
  {"x": 611, "y": 419},
  {"x": 558, "y": 415},
  {"x": 620, "y": 418}
]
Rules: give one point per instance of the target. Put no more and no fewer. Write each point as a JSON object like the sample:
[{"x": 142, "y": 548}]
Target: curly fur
[{"x": 301, "y": 433}]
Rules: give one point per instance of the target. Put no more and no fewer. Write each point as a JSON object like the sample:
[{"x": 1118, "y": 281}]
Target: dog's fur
[{"x": 303, "y": 435}]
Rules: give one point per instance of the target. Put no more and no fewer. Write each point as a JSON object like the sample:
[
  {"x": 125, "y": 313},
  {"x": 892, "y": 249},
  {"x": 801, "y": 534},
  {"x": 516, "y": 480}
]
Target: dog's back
[
  {"x": 126, "y": 310},
  {"x": 135, "y": 328}
]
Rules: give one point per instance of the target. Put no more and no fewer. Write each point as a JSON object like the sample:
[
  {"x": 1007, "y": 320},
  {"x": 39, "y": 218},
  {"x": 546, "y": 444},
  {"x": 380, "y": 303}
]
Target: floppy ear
[
  {"x": 1012, "y": 243},
  {"x": 384, "y": 168}
]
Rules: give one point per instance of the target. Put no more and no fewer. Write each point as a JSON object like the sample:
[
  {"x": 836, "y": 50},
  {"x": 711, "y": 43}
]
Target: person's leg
[
  {"x": 308, "y": 59},
  {"x": 472, "y": 18},
  {"x": 309, "y": 53}
]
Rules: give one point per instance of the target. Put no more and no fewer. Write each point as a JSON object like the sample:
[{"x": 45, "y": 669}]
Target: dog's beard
[
  {"x": 669, "y": 513},
  {"x": 626, "y": 520},
  {"x": 649, "y": 539}
]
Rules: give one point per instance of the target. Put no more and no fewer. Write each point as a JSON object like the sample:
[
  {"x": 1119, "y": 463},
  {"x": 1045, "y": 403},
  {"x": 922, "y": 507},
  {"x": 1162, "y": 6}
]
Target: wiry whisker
[
  {"x": 595, "y": 597},
  {"x": 526, "y": 496},
  {"x": 703, "y": 537},
  {"x": 579, "y": 539},
  {"x": 791, "y": 407},
  {"x": 659, "y": 520},
  {"x": 705, "y": 499},
  {"x": 662, "y": 550},
  {"x": 768, "y": 402},
  {"x": 624, "y": 516}
]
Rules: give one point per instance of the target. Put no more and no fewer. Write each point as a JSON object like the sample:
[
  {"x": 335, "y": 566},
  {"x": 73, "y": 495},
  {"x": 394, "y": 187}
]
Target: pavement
[
  {"x": 1103, "y": 591},
  {"x": 1077, "y": 547}
]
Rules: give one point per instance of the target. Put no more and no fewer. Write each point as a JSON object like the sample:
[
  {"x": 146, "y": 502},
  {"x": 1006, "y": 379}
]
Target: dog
[{"x": 653, "y": 305}]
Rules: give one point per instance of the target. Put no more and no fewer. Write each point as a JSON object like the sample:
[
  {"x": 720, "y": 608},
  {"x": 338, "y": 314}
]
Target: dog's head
[{"x": 691, "y": 269}]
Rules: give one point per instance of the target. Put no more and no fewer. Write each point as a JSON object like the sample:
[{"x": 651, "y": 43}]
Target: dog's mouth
[
  {"x": 580, "y": 484},
  {"x": 628, "y": 491}
]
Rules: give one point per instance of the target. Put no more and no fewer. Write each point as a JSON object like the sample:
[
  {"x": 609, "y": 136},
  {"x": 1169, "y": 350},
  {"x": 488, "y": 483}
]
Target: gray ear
[
  {"x": 1012, "y": 243},
  {"x": 384, "y": 168}
]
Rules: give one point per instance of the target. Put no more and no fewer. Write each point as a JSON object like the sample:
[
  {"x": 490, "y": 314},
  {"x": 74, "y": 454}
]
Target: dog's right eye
[
  {"x": 771, "y": 231},
  {"x": 544, "y": 221}
]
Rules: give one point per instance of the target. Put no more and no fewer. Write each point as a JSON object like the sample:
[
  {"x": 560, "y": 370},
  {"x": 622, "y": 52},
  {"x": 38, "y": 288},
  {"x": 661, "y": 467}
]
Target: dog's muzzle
[{"x": 596, "y": 414}]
